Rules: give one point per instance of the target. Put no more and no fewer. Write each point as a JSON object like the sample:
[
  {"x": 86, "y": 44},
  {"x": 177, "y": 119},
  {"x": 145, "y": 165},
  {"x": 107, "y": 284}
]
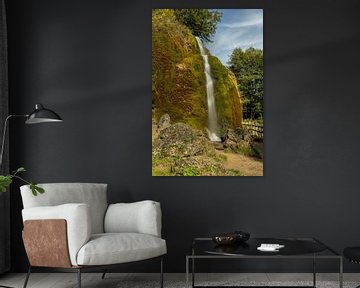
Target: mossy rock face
[
  {"x": 178, "y": 80},
  {"x": 227, "y": 96},
  {"x": 178, "y": 86}
]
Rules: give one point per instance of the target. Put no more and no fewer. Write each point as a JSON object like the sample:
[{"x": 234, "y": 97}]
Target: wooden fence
[{"x": 255, "y": 130}]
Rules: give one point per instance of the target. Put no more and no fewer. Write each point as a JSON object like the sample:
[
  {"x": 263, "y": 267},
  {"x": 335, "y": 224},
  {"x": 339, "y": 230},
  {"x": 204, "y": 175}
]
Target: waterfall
[{"x": 212, "y": 115}]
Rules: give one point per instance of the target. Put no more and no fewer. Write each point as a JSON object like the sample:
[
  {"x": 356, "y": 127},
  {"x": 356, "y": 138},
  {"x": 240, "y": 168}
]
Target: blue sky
[{"x": 238, "y": 28}]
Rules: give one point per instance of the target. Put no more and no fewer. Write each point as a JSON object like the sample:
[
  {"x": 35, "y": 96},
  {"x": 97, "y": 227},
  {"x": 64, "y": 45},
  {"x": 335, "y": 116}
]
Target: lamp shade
[{"x": 42, "y": 115}]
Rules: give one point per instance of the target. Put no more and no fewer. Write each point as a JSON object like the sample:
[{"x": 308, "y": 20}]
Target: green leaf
[
  {"x": 5, "y": 182},
  {"x": 39, "y": 189},
  {"x": 36, "y": 189},
  {"x": 33, "y": 189},
  {"x": 20, "y": 169}
]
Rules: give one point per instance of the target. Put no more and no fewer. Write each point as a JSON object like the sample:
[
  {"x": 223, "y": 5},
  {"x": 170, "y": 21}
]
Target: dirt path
[{"x": 247, "y": 165}]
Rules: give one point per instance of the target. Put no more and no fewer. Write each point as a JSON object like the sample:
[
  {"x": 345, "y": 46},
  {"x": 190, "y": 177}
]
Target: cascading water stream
[{"x": 212, "y": 115}]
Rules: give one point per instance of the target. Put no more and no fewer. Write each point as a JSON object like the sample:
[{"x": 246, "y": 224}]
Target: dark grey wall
[{"x": 91, "y": 61}]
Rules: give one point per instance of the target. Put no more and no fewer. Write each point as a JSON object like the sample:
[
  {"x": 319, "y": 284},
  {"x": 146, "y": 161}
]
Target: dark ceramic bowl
[
  {"x": 231, "y": 238},
  {"x": 225, "y": 239}
]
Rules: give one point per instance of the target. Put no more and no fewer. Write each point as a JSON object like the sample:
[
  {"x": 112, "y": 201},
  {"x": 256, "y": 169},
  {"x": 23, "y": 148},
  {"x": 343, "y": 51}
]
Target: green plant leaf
[
  {"x": 36, "y": 189},
  {"x": 20, "y": 169},
  {"x": 5, "y": 182},
  {"x": 33, "y": 188},
  {"x": 39, "y": 189}
]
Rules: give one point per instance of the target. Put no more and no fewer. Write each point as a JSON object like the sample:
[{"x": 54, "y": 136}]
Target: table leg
[
  {"x": 187, "y": 272},
  {"x": 193, "y": 267},
  {"x": 341, "y": 273},
  {"x": 314, "y": 271},
  {"x": 193, "y": 272}
]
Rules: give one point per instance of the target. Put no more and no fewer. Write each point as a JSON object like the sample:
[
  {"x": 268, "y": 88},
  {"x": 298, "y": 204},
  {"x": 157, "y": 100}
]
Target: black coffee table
[{"x": 295, "y": 248}]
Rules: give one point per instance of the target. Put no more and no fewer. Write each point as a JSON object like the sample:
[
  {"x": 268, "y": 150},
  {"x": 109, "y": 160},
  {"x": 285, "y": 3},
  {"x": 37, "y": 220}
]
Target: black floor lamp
[{"x": 39, "y": 115}]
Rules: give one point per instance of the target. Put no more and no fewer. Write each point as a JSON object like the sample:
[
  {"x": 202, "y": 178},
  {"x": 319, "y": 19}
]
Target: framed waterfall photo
[{"x": 207, "y": 92}]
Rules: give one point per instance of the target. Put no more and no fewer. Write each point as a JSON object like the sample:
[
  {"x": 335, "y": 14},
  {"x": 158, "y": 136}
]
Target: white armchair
[{"x": 72, "y": 228}]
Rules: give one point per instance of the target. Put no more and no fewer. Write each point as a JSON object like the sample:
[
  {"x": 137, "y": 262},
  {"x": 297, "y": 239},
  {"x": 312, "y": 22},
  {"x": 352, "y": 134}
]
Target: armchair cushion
[
  {"x": 113, "y": 248},
  {"x": 78, "y": 221},
  {"x": 92, "y": 194},
  {"x": 138, "y": 217}
]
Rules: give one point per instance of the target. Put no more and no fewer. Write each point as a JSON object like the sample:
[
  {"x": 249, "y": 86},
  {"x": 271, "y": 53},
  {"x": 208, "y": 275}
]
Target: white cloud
[
  {"x": 239, "y": 28},
  {"x": 256, "y": 21}
]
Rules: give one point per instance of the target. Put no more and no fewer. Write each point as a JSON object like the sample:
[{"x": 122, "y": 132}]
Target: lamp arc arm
[{"x": 4, "y": 133}]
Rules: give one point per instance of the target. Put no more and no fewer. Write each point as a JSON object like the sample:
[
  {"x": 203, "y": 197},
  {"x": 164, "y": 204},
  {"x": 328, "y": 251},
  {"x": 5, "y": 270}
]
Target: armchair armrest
[
  {"x": 78, "y": 223},
  {"x": 138, "y": 217}
]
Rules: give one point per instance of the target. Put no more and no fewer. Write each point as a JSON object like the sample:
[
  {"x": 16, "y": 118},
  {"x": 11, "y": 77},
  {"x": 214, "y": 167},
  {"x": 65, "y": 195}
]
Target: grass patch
[
  {"x": 189, "y": 171},
  {"x": 234, "y": 172},
  {"x": 202, "y": 166},
  {"x": 161, "y": 166},
  {"x": 246, "y": 151},
  {"x": 221, "y": 158},
  {"x": 156, "y": 171}
]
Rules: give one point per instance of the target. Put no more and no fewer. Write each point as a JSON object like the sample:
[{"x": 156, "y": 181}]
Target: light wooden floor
[{"x": 113, "y": 280}]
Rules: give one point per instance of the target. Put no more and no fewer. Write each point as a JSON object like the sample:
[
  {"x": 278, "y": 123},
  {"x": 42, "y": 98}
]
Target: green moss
[
  {"x": 227, "y": 97},
  {"x": 178, "y": 85},
  {"x": 178, "y": 80}
]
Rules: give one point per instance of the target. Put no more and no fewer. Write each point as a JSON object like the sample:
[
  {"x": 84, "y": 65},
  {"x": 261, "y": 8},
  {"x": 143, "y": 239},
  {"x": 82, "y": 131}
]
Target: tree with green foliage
[
  {"x": 248, "y": 68},
  {"x": 202, "y": 22}
]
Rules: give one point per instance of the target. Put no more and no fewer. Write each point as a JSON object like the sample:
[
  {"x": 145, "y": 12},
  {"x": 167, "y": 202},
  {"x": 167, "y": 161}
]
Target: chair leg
[
  {"x": 161, "y": 272},
  {"x": 103, "y": 275},
  {"x": 27, "y": 277},
  {"x": 79, "y": 277}
]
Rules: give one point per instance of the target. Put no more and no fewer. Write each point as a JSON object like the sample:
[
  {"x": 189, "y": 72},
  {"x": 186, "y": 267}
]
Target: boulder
[
  {"x": 180, "y": 140},
  {"x": 164, "y": 122},
  {"x": 238, "y": 138}
]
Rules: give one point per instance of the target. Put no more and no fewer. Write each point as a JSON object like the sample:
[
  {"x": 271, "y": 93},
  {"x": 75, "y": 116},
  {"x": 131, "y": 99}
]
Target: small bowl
[{"x": 225, "y": 239}]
